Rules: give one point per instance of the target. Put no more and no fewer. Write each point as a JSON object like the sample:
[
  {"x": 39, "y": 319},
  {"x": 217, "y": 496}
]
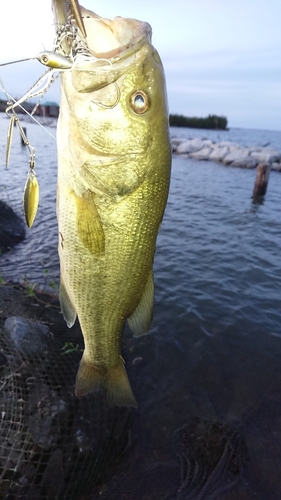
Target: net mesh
[
  {"x": 52, "y": 445},
  {"x": 176, "y": 446}
]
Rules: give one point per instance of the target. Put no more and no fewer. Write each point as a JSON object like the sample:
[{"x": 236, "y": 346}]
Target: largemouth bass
[{"x": 114, "y": 160}]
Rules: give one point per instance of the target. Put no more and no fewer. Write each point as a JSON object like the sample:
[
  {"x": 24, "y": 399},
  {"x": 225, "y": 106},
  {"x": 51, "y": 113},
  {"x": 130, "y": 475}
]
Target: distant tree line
[{"x": 211, "y": 122}]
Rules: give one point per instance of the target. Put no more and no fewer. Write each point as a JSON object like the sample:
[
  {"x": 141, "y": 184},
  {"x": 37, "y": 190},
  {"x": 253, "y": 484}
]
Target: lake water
[{"x": 214, "y": 352}]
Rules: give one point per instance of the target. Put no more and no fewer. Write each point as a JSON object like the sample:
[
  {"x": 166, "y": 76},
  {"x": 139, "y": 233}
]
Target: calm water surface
[{"x": 215, "y": 347}]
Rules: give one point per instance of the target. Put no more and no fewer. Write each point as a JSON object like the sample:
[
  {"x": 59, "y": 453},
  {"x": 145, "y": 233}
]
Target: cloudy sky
[{"x": 220, "y": 56}]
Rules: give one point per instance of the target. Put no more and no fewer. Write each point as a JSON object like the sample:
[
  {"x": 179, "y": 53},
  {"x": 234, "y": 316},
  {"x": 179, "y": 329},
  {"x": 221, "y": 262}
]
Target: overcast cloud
[{"x": 220, "y": 56}]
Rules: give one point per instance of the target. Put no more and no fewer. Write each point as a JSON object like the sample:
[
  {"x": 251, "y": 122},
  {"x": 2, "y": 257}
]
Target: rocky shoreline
[{"x": 227, "y": 152}]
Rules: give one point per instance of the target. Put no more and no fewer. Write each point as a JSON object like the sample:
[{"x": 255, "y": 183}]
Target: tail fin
[{"x": 114, "y": 381}]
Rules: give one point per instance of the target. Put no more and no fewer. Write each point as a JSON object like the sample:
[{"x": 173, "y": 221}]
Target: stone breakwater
[{"x": 227, "y": 152}]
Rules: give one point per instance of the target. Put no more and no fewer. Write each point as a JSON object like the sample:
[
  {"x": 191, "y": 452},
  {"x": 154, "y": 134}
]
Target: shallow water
[
  {"x": 215, "y": 347},
  {"x": 37, "y": 254}
]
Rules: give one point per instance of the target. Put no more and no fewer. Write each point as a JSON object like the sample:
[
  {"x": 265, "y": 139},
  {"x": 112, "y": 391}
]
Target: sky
[{"x": 220, "y": 57}]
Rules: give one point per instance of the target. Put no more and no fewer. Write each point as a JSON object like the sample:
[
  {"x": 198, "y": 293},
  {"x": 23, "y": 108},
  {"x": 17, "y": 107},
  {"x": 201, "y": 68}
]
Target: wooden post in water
[
  {"x": 263, "y": 171},
  {"x": 22, "y": 141}
]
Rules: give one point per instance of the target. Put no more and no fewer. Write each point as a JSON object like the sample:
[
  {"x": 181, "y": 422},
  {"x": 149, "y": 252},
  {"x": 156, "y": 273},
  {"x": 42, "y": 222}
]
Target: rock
[
  {"x": 219, "y": 153},
  {"x": 45, "y": 412},
  {"x": 236, "y": 154},
  {"x": 204, "y": 443},
  {"x": 12, "y": 228},
  {"x": 190, "y": 146},
  {"x": 175, "y": 143},
  {"x": 203, "y": 154},
  {"x": 255, "y": 149},
  {"x": 184, "y": 147},
  {"x": 245, "y": 162},
  {"x": 229, "y": 144},
  {"x": 197, "y": 144},
  {"x": 227, "y": 152},
  {"x": 53, "y": 478},
  {"x": 29, "y": 337},
  {"x": 276, "y": 166},
  {"x": 3, "y": 361},
  {"x": 266, "y": 156}
]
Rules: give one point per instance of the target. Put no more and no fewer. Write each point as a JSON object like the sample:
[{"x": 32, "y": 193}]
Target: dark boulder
[{"x": 12, "y": 229}]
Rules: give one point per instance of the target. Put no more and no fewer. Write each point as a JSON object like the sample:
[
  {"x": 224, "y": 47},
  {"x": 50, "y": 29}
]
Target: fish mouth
[
  {"x": 101, "y": 50},
  {"x": 103, "y": 38},
  {"x": 108, "y": 38}
]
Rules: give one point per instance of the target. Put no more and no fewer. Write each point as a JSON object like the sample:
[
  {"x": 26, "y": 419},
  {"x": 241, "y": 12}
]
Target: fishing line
[
  {"x": 33, "y": 118},
  {"x": 17, "y": 61},
  {"x": 87, "y": 57},
  {"x": 25, "y": 111}
]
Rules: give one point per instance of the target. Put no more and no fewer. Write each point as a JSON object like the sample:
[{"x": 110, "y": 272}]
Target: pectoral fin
[
  {"x": 89, "y": 227},
  {"x": 67, "y": 308},
  {"x": 140, "y": 320}
]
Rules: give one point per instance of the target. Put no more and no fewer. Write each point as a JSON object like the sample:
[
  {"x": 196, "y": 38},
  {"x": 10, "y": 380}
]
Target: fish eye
[{"x": 139, "y": 102}]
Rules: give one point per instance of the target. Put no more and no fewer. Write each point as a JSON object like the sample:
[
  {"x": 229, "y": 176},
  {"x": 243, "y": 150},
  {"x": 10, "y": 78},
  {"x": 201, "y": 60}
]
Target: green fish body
[{"x": 114, "y": 161}]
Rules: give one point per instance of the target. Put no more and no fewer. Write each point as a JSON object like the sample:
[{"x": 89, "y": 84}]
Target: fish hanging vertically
[{"x": 114, "y": 161}]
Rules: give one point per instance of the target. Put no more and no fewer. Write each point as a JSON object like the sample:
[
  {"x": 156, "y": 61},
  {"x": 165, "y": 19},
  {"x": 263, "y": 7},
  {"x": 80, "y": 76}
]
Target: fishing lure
[
  {"x": 54, "y": 61},
  {"x": 65, "y": 48},
  {"x": 31, "y": 190},
  {"x": 31, "y": 195},
  {"x": 47, "y": 58}
]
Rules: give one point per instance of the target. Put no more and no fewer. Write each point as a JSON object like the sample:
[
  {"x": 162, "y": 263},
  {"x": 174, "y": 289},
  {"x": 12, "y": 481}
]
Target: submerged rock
[{"x": 212, "y": 456}]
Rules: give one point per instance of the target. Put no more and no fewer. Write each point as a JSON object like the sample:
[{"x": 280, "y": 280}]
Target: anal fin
[
  {"x": 140, "y": 321},
  {"x": 67, "y": 308}
]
